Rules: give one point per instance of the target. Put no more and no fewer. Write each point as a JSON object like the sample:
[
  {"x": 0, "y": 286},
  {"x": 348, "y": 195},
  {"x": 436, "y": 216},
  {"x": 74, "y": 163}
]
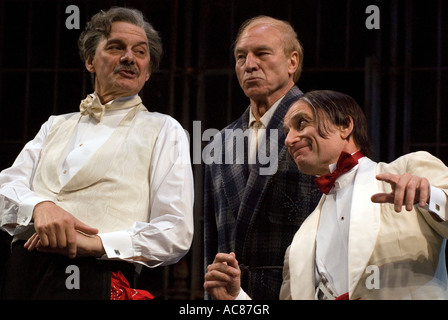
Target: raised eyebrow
[
  {"x": 141, "y": 43},
  {"x": 114, "y": 41},
  {"x": 297, "y": 117}
]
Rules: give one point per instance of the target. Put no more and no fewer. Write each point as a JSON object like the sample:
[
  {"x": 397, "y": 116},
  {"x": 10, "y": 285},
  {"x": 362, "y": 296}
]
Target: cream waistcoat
[{"x": 111, "y": 191}]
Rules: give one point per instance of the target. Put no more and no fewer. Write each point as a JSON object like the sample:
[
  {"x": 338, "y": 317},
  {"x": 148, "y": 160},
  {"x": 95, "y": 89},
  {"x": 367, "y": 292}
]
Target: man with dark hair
[
  {"x": 103, "y": 189},
  {"x": 357, "y": 244}
]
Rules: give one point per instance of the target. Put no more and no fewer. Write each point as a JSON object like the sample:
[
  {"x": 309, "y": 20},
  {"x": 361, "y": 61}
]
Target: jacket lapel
[
  {"x": 302, "y": 257},
  {"x": 364, "y": 221},
  {"x": 257, "y": 183},
  {"x": 234, "y": 174}
]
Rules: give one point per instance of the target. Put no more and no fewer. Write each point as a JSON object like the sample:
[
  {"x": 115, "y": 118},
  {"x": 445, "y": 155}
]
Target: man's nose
[
  {"x": 128, "y": 57},
  {"x": 251, "y": 62},
  {"x": 291, "y": 138}
]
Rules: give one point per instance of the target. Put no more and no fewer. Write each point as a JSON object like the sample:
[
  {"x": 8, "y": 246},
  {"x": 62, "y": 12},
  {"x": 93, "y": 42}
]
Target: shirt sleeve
[
  {"x": 242, "y": 295},
  {"x": 17, "y": 200},
  {"x": 167, "y": 236}
]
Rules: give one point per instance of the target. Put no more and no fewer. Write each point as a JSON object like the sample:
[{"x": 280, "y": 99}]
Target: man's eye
[{"x": 302, "y": 124}]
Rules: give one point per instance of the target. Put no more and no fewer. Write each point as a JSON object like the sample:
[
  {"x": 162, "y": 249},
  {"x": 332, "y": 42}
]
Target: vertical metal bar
[
  {"x": 347, "y": 33},
  {"x": 196, "y": 265},
  {"x": 2, "y": 30},
  {"x": 439, "y": 79},
  {"x": 373, "y": 95},
  {"x": 391, "y": 137},
  {"x": 186, "y": 53},
  {"x": 318, "y": 31},
  {"x": 28, "y": 73},
  {"x": 56, "y": 58},
  {"x": 230, "y": 75},
  {"x": 407, "y": 78},
  {"x": 173, "y": 68},
  {"x": 202, "y": 44},
  {"x": 200, "y": 96}
]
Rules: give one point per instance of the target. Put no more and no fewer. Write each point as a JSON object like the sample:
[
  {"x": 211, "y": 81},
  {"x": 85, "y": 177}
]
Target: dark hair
[
  {"x": 101, "y": 23},
  {"x": 338, "y": 108}
]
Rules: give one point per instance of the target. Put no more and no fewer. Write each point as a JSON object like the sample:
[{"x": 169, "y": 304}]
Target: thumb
[
  {"x": 382, "y": 198},
  {"x": 81, "y": 226}
]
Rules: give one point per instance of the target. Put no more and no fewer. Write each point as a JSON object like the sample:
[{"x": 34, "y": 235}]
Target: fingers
[
  {"x": 32, "y": 242},
  {"x": 81, "y": 226},
  {"x": 225, "y": 266},
  {"x": 57, "y": 229},
  {"x": 71, "y": 243},
  {"x": 222, "y": 279},
  {"x": 407, "y": 190}
]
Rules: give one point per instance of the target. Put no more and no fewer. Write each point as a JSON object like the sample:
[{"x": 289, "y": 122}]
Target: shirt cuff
[
  {"x": 438, "y": 203},
  {"x": 118, "y": 245},
  {"x": 26, "y": 209},
  {"x": 242, "y": 295}
]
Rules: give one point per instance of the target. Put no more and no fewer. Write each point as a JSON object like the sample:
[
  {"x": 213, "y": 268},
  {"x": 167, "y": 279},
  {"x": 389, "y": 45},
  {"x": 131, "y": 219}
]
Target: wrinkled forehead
[
  {"x": 127, "y": 31},
  {"x": 260, "y": 33}
]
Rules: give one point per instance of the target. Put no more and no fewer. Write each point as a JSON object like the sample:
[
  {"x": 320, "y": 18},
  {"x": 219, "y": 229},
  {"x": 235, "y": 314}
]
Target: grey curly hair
[{"x": 100, "y": 25}]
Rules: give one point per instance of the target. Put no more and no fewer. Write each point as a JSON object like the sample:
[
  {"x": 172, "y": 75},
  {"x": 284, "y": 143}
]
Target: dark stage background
[{"x": 398, "y": 74}]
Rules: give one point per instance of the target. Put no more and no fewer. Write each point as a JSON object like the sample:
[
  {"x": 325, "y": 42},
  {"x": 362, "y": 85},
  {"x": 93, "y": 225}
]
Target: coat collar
[
  {"x": 237, "y": 176},
  {"x": 364, "y": 228},
  {"x": 364, "y": 221}
]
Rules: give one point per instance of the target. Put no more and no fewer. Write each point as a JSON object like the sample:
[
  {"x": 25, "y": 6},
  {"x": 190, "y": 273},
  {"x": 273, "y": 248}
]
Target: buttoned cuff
[
  {"x": 26, "y": 209},
  {"x": 438, "y": 203},
  {"x": 118, "y": 245}
]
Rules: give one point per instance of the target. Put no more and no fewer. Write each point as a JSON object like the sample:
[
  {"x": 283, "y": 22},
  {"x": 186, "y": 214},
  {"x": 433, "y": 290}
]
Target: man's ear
[
  {"x": 294, "y": 62},
  {"x": 346, "y": 130},
  {"x": 89, "y": 65}
]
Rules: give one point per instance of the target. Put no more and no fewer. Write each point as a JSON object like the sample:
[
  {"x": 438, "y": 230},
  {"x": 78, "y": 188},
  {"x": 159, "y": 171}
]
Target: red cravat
[{"x": 345, "y": 163}]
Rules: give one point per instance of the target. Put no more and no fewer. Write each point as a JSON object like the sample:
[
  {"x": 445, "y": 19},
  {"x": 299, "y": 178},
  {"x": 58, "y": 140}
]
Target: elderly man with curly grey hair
[{"x": 102, "y": 190}]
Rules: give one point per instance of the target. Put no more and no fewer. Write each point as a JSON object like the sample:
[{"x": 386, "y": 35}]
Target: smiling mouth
[{"x": 297, "y": 150}]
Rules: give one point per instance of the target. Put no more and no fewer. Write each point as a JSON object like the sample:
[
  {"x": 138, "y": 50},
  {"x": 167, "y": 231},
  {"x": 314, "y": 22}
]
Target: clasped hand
[
  {"x": 222, "y": 279},
  {"x": 57, "y": 231}
]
